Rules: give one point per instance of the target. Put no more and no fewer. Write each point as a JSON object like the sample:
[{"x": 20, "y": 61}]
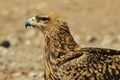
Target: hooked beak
[
  {"x": 34, "y": 23},
  {"x": 29, "y": 22}
]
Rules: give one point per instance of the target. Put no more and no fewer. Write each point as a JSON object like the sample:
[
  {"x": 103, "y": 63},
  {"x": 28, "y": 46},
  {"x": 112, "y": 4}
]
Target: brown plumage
[{"x": 64, "y": 59}]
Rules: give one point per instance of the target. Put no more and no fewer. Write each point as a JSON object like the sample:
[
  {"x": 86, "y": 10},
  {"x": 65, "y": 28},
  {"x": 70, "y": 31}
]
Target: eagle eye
[
  {"x": 42, "y": 18},
  {"x": 45, "y": 18}
]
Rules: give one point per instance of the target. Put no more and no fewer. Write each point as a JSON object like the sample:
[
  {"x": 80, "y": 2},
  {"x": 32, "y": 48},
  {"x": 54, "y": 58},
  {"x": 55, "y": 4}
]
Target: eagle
[{"x": 64, "y": 59}]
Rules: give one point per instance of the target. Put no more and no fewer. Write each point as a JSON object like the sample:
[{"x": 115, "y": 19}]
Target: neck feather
[{"x": 58, "y": 44}]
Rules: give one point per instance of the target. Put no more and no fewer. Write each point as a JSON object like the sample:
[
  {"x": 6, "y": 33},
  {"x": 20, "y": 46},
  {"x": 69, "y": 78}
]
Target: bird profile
[{"x": 64, "y": 59}]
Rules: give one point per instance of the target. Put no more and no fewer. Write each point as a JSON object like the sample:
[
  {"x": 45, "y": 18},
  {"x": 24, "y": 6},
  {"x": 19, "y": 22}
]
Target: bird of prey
[{"x": 64, "y": 59}]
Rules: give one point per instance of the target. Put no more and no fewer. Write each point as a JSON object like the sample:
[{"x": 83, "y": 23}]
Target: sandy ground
[{"x": 92, "y": 23}]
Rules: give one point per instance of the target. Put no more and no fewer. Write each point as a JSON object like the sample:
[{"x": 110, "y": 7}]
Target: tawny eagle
[{"x": 64, "y": 59}]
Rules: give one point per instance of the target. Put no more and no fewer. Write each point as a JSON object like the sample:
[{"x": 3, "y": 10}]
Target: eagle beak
[{"x": 29, "y": 22}]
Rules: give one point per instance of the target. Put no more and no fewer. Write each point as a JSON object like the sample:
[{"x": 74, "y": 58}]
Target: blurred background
[{"x": 93, "y": 23}]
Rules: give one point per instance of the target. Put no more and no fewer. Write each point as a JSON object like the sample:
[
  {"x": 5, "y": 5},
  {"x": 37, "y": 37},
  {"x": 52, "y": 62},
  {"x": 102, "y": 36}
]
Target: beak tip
[
  {"x": 26, "y": 26},
  {"x": 29, "y": 22}
]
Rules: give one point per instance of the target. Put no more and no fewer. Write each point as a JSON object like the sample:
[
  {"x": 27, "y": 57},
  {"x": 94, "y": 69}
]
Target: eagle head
[{"x": 46, "y": 22}]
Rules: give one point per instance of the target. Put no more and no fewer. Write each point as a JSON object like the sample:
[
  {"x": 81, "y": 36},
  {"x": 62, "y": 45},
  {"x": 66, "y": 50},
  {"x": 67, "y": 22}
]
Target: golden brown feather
[{"x": 64, "y": 59}]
